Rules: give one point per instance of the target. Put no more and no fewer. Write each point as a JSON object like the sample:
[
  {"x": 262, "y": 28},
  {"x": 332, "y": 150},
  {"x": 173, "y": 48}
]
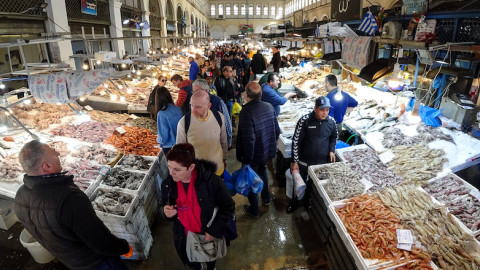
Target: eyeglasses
[{"x": 164, "y": 80}]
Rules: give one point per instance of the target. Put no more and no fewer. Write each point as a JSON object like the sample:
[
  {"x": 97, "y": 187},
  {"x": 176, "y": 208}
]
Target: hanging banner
[
  {"x": 89, "y": 7},
  {"x": 356, "y": 51},
  {"x": 346, "y": 10}
]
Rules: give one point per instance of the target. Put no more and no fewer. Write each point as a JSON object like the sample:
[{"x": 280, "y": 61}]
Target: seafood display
[
  {"x": 95, "y": 152},
  {"x": 10, "y": 169},
  {"x": 135, "y": 163},
  {"x": 438, "y": 232},
  {"x": 84, "y": 172},
  {"x": 144, "y": 122},
  {"x": 112, "y": 202},
  {"x": 123, "y": 179},
  {"x": 467, "y": 209},
  {"x": 41, "y": 115},
  {"x": 393, "y": 136},
  {"x": 134, "y": 95},
  {"x": 135, "y": 141},
  {"x": 447, "y": 188},
  {"x": 418, "y": 163},
  {"x": 343, "y": 85},
  {"x": 342, "y": 181},
  {"x": 106, "y": 117},
  {"x": 93, "y": 132},
  {"x": 368, "y": 165},
  {"x": 372, "y": 227}
]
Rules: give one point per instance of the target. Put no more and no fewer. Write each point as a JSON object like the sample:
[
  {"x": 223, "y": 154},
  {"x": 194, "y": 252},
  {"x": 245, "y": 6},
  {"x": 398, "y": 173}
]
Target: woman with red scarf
[{"x": 189, "y": 196}]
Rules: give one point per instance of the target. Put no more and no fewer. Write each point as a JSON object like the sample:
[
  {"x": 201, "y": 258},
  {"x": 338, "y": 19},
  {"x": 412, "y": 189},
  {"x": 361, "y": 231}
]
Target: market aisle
[{"x": 274, "y": 241}]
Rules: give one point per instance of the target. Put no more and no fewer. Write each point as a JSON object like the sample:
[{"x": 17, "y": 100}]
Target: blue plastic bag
[
  {"x": 410, "y": 104},
  {"x": 430, "y": 116},
  {"x": 228, "y": 179},
  {"x": 341, "y": 145},
  {"x": 245, "y": 180}
]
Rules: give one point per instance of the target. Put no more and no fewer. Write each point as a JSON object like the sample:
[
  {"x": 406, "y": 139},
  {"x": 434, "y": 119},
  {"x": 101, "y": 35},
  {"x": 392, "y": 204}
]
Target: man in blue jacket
[
  {"x": 257, "y": 136},
  {"x": 193, "y": 69},
  {"x": 339, "y": 100},
  {"x": 271, "y": 96}
]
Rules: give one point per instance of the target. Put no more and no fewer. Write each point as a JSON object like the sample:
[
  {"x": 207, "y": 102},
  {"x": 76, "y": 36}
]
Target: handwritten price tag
[
  {"x": 386, "y": 157},
  {"x": 104, "y": 170},
  {"x": 367, "y": 184},
  {"x": 88, "y": 108},
  {"x": 120, "y": 130},
  {"x": 404, "y": 239},
  {"x": 133, "y": 116}
]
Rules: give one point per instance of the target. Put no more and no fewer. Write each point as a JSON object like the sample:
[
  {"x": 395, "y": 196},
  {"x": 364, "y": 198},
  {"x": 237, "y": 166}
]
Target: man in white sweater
[{"x": 205, "y": 130}]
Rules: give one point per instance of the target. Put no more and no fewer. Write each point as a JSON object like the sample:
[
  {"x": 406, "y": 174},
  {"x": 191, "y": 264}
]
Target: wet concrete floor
[{"x": 275, "y": 240}]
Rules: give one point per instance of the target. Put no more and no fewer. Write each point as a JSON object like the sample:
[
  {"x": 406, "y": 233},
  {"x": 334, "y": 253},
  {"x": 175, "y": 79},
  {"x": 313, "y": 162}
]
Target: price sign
[
  {"x": 386, "y": 157},
  {"x": 103, "y": 93},
  {"x": 12, "y": 151},
  {"x": 88, "y": 108},
  {"x": 120, "y": 130},
  {"x": 19, "y": 139},
  {"x": 133, "y": 116},
  {"x": 367, "y": 184},
  {"x": 79, "y": 120},
  {"x": 404, "y": 239},
  {"x": 104, "y": 170}
]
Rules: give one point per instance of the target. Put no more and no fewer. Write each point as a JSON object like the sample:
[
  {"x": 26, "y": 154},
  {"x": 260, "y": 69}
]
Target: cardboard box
[{"x": 7, "y": 214}]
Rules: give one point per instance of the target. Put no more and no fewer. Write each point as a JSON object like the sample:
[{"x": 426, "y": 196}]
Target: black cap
[{"x": 322, "y": 102}]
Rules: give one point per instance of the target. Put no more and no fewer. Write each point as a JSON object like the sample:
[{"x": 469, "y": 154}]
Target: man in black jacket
[
  {"x": 276, "y": 59},
  {"x": 313, "y": 143},
  {"x": 258, "y": 132},
  {"x": 61, "y": 217},
  {"x": 258, "y": 64},
  {"x": 226, "y": 88}
]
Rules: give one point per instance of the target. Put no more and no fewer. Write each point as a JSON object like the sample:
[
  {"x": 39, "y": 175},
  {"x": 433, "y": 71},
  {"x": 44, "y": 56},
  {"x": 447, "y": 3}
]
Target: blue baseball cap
[{"x": 322, "y": 102}]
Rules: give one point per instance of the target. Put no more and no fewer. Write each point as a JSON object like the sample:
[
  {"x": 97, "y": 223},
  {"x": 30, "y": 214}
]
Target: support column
[
  {"x": 58, "y": 23},
  {"x": 146, "y": 33},
  {"x": 163, "y": 31},
  {"x": 176, "y": 28},
  {"x": 116, "y": 27}
]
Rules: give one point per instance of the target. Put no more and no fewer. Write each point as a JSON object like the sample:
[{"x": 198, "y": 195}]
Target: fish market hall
[{"x": 239, "y": 135}]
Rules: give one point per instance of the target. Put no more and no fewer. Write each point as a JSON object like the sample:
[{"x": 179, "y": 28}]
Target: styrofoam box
[
  {"x": 116, "y": 222},
  {"x": 287, "y": 127},
  {"x": 7, "y": 214},
  {"x": 320, "y": 183},
  {"x": 136, "y": 191},
  {"x": 285, "y": 146},
  {"x": 141, "y": 234},
  {"x": 360, "y": 262},
  {"x": 340, "y": 152}
]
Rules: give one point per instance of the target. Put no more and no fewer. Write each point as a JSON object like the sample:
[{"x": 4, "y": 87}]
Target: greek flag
[
  {"x": 317, "y": 31},
  {"x": 328, "y": 31},
  {"x": 146, "y": 25},
  {"x": 368, "y": 25},
  {"x": 137, "y": 26}
]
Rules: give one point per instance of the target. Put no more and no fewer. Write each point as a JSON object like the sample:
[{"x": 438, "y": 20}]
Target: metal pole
[
  {"x": 23, "y": 56},
  {"x": 10, "y": 60}
]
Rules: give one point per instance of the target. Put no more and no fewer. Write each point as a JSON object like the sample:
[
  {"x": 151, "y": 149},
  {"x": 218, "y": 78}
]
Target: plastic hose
[{"x": 353, "y": 135}]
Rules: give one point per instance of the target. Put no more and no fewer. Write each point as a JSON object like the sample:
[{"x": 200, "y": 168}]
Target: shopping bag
[
  {"x": 227, "y": 178},
  {"x": 430, "y": 116},
  {"x": 236, "y": 108},
  {"x": 246, "y": 179}
]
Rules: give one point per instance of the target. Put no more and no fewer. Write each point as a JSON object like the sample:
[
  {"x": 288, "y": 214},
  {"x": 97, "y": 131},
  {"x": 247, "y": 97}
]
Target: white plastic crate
[
  {"x": 140, "y": 187},
  {"x": 360, "y": 262},
  {"x": 115, "y": 222}
]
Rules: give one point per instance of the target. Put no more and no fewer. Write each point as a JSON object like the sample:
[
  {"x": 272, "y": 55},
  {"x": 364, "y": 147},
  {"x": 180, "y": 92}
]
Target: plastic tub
[{"x": 38, "y": 252}]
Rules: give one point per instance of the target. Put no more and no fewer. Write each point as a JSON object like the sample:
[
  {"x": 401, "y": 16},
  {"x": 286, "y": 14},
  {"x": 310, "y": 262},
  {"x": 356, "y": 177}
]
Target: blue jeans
[
  {"x": 261, "y": 170},
  {"x": 111, "y": 263},
  {"x": 229, "y": 105}
]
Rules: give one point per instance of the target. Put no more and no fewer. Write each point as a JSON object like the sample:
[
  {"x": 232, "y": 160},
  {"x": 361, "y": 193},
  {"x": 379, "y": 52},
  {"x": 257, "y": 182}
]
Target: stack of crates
[{"x": 133, "y": 226}]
